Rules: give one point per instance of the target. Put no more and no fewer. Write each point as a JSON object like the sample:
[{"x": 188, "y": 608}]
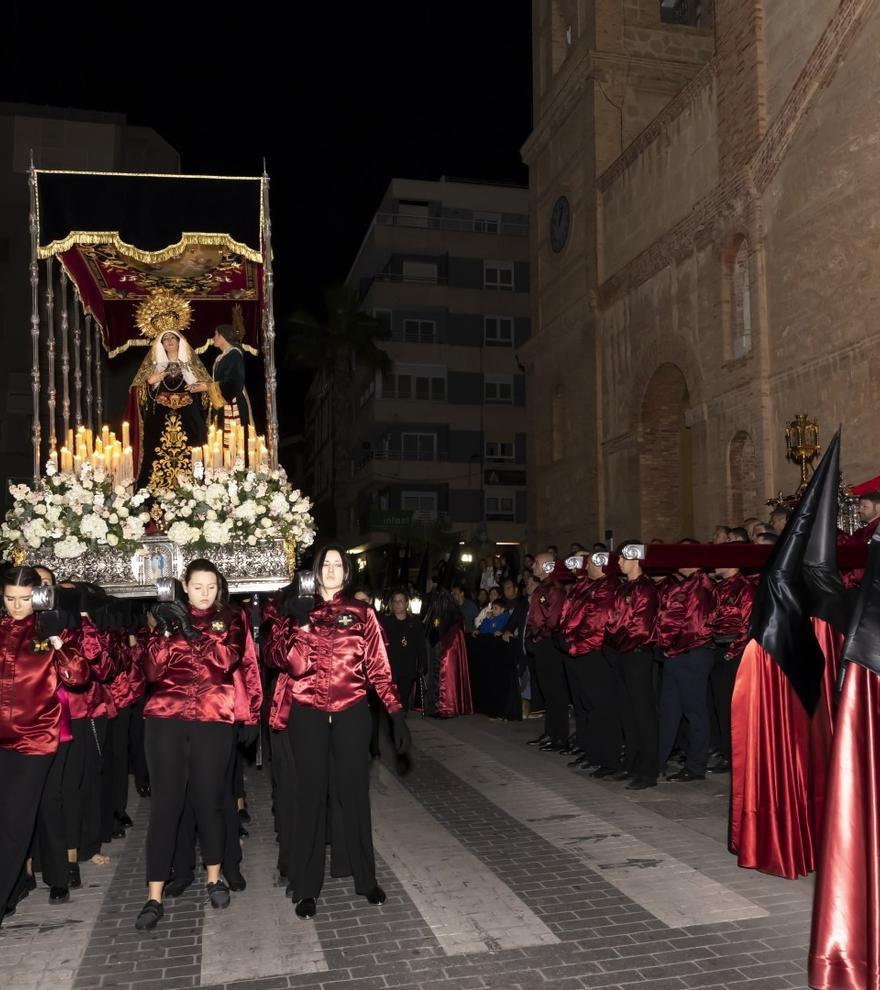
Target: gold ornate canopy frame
[{"x": 67, "y": 329}]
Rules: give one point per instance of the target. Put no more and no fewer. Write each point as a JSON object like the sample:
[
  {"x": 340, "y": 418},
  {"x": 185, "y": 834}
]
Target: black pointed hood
[
  {"x": 862, "y": 644},
  {"x": 784, "y": 601}
]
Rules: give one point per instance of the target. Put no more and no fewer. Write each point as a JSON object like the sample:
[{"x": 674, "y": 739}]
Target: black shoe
[
  {"x": 619, "y": 775},
  {"x": 603, "y": 772},
  {"x": 376, "y": 896},
  {"x": 125, "y": 821},
  {"x": 234, "y": 879},
  {"x": 537, "y": 742},
  {"x": 719, "y": 766},
  {"x": 585, "y": 763},
  {"x": 552, "y": 746},
  {"x": 59, "y": 895},
  {"x": 576, "y": 762},
  {"x": 118, "y": 831},
  {"x": 242, "y": 831},
  {"x": 149, "y": 917},
  {"x": 566, "y": 750},
  {"x": 685, "y": 777},
  {"x": 175, "y": 887},
  {"x": 143, "y": 789},
  {"x": 243, "y": 814},
  {"x": 218, "y": 895},
  {"x": 306, "y": 908},
  {"x": 74, "y": 880},
  {"x": 640, "y": 784}
]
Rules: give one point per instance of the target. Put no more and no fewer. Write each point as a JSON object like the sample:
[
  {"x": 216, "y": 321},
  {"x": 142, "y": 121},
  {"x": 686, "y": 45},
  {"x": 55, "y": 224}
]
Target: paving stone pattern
[{"x": 503, "y": 869}]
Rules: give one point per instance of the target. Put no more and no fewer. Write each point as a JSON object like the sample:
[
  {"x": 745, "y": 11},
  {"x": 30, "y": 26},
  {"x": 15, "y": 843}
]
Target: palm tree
[{"x": 345, "y": 341}]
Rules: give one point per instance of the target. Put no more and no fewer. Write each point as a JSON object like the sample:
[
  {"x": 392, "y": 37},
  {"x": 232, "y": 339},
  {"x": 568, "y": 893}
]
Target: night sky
[{"x": 338, "y": 100}]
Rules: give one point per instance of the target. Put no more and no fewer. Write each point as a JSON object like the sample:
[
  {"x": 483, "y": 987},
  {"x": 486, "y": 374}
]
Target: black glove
[
  {"x": 400, "y": 732},
  {"x": 51, "y": 623},
  {"x": 561, "y": 643},
  {"x": 248, "y": 734},
  {"x": 301, "y": 609},
  {"x": 169, "y": 614}
]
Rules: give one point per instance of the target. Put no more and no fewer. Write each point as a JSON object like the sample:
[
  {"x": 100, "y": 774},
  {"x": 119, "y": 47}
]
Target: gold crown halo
[{"x": 161, "y": 311}]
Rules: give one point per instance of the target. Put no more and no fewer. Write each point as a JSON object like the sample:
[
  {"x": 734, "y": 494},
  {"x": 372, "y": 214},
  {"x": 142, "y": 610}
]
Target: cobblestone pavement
[{"x": 503, "y": 869}]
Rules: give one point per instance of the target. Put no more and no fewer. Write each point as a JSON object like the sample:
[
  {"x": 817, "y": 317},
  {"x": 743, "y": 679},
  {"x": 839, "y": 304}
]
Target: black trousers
[
  {"x": 598, "y": 691},
  {"x": 22, "y": 779},
  {"x": 49, "y": 849},
  {"x": 721, "y": 681},
  {"x": 578, "y": 699},
  {"x": 637, "y": 710},
  {"x": 684, "y": 692},
  {"x": 284, "y": 798},
  {"x": 554, "y": 686},
  {"x": 82, "y": 786},
  {"x": 185, "y": 849},
  {"x": 186, "y": 760},
  {"x": 115, "y": 795},
  {"x": 136, "y": 743},
  {"x": 332, "y": 759}
]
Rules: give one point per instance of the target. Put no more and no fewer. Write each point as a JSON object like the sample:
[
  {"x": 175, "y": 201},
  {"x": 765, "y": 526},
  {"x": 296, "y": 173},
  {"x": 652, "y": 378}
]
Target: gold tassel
[{"x": 147, "y": 257}]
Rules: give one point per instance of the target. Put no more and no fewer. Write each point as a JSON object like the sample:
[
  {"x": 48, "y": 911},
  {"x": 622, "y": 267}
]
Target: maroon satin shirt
[
  {"x": 277, "y": 634},
  {"x": 685, "y": 616},
  {"x": 30, "y": 712},
  {"x": 545, "y": 610},
  {"x": 586, "y": 614},
  {"x": 735, "y": 596},
  {"x": 193, "y": 681},
  {"x": 246, "y": 681},
  {"x": 95, "y": 699},
  {"x": 633, "y": 625},
  {"x": 343, "y": 650},
  {"x": 121, "y": 687}
]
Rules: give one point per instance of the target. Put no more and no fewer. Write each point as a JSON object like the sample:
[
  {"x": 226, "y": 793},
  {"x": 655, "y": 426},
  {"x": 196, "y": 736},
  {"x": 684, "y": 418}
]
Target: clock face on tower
[{"x": 560, "y": 222}]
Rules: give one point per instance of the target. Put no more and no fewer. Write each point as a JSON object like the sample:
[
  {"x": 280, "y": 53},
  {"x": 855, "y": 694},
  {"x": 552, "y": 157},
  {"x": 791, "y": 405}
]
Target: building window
[
  {"x": 499, "y": 450},
  {"x": 498, "y": 275},
  {"x": 500, "y": 507},
  {"x": 422, "y": 504},
  {"x": 487, "y": 223},
  {"x": 420, "y": 271},
  {"x": 693, "y": 13},
  {"x": 557, "y": 424},
  {"x": 383, "y": 318},
  {"x": 419, "y": 331},
  {"x": 498, "y": 389},
  {"x": 498, "y": 331},
  {"x": 741, "y": 302},
  {"x": 415, "y": 382},
  {"x": 411, "y": 213},
  {"x": 419, "y": 446}
]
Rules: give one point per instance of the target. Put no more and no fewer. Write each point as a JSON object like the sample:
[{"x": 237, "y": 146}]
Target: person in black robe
[{"x": 226, "y": 391}]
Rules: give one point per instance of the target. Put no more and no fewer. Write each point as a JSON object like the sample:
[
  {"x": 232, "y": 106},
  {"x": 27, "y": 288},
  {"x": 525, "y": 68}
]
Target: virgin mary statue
[{"x": 169, "y": 419}]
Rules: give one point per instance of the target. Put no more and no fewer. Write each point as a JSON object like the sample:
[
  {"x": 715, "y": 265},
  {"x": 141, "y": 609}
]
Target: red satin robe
[
  {"x": 194, "y": 680},
  {"x": 31, "y": 672},
  {"x": 586, "y": 614},
  {"x": 342, "y": 651}
]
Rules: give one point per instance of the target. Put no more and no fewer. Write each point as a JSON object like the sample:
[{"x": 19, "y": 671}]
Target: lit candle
[
  {"x": 126, "y": 440},
  {"x": 89, "y": 442},
  {"x": 105, "y": 434},
  {"x": 99, "y": 446},
  {"x": 53, "y": 459},
  {"x": 77, "y": 464},
  {"x": 127, "y": 466},
  {"x": 69, "y": 443}
]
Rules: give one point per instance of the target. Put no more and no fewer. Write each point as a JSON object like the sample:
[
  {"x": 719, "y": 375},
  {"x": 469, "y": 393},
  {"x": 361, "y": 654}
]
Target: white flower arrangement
[
  {"x": 237, "y": 505},
  {"x": 70, "y": 514}
]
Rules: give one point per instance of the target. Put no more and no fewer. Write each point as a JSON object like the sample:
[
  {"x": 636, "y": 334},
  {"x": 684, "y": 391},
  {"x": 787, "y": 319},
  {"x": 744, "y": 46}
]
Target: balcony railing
[
  {"x": 397, "y": 454},
  {"x": 475, "y": 225}
]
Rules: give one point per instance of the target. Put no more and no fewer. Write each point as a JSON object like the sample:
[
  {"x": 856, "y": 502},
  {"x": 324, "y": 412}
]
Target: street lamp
[{"x": 415, "y": 605}]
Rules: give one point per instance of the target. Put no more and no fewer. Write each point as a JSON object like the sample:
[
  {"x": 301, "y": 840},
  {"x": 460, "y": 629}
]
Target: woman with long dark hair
[
  {"x": 190, "y": 730},
  {"x": 335, "y": 648},
  {"x": 36, "y": 659}
]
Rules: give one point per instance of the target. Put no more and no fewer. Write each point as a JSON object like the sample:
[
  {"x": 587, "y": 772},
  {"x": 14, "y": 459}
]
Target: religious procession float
[{"x": 178, "y": 267}]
